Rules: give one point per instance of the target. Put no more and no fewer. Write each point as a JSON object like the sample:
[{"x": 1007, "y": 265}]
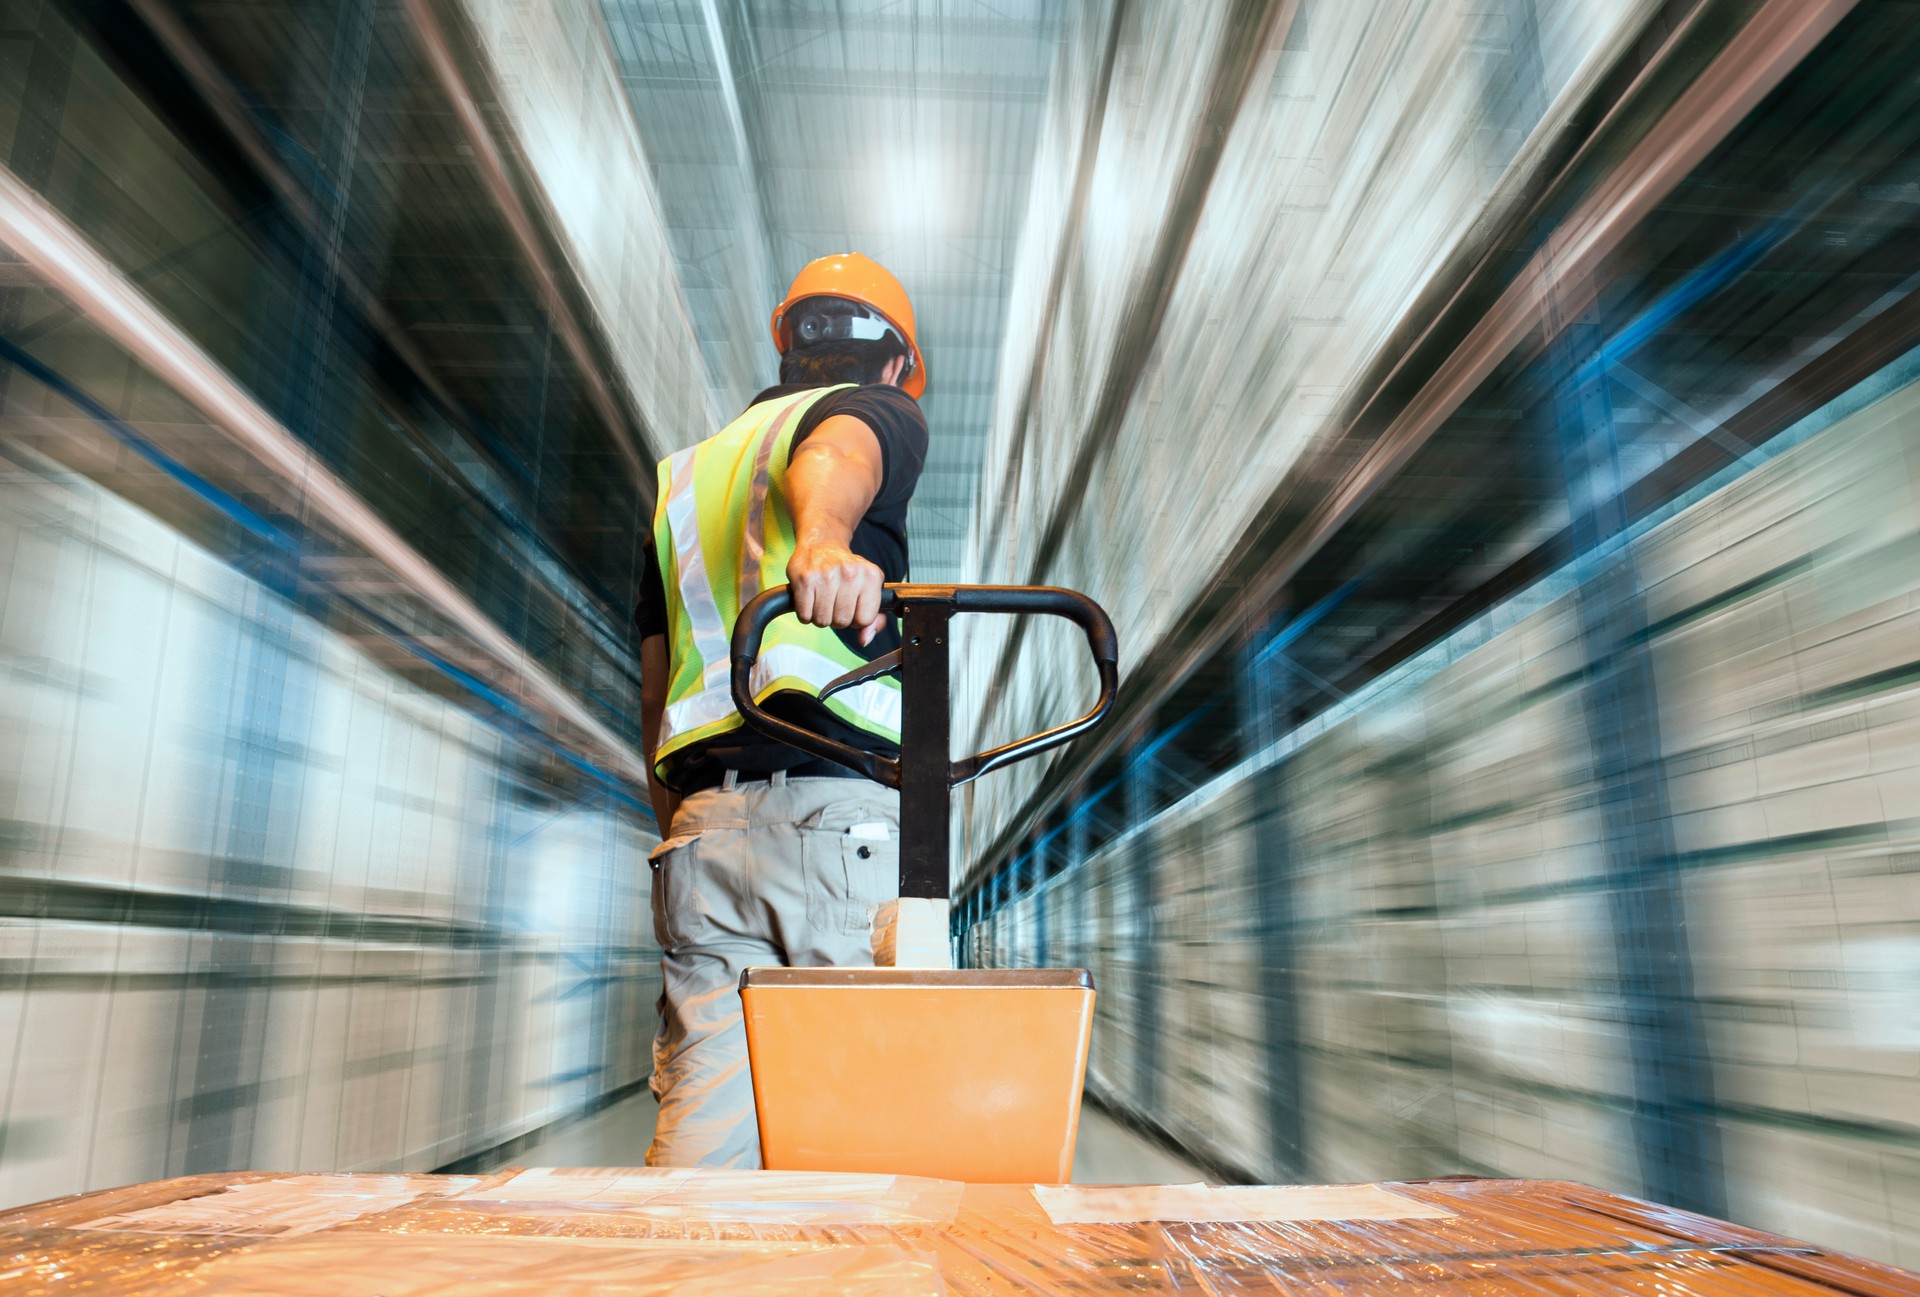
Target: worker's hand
[{"x": 833, "y": 586}]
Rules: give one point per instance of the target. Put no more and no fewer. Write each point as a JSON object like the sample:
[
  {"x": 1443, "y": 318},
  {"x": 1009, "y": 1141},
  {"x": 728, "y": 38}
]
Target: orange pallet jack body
[{"x": 956, "y": 1074}]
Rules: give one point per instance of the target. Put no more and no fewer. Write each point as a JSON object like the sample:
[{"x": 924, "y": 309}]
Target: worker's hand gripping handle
[{"x": 925, "y": 610}]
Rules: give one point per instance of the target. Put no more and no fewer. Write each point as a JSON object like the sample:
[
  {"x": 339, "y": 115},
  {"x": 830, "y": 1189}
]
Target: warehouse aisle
[
  {"x": 618, "y": 1135},
  {"x": 1492, "y": 431}
]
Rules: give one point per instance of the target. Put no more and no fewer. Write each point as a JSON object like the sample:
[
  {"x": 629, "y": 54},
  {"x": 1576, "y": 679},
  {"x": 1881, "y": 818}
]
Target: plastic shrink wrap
[{"x": 585, "y": 1232}]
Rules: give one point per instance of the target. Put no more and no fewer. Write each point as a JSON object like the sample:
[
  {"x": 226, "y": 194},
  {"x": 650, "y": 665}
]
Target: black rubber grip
[{"x": 750, "y": 628}]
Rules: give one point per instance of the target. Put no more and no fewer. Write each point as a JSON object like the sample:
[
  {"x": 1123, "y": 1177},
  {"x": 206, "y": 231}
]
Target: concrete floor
[
  {"x": 1109, "y": 1153},
  {"x": 1106, "y": 1153}
]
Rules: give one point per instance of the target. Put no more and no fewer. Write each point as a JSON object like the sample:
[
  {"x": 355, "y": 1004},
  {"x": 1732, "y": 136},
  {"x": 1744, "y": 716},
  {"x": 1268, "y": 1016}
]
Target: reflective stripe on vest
[{"x": 724, "y": 526}]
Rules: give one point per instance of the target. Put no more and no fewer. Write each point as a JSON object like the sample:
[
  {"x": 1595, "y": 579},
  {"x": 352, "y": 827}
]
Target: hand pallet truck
[{"x": 957, "y": 1074}]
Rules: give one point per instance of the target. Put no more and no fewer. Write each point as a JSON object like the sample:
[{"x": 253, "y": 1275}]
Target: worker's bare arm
[
  {"x": 653, "y": 704},
  {"x": 831, "y": 481}
]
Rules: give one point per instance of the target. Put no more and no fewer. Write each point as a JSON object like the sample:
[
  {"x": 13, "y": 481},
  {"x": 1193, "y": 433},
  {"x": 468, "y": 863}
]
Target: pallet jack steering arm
[{"x": 924, "y": 772}]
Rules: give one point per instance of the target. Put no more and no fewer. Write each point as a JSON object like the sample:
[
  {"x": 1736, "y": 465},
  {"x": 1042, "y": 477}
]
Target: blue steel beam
[
  {"x": 1141, "y": 866},
  {"x": 1672, "y": 1112},
  {"x": 1040, "y": 893},
  {"x": 1274, "y": 882}
]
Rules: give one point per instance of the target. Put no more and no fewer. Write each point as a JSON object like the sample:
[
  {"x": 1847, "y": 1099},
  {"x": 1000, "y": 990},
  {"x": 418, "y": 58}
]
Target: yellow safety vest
[{"x": 723, "y": 532}]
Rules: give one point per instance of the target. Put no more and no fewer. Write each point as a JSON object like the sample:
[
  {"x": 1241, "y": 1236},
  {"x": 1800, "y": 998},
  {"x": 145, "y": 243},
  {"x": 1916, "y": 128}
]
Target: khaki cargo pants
[{"x": 779, "y": 872}]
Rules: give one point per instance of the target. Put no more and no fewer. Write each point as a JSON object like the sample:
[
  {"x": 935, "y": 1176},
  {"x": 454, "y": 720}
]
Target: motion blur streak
[
  {"x": 385, "y": 948},
  {"x": 321, "y": 843},
  {"x": 1491, "y": 423},
  {"x": 1538, "y": 794}
]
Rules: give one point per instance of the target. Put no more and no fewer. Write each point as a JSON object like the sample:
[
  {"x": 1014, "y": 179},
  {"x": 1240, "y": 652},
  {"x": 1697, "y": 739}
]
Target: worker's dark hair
[
  {"x": 852, "y": 361},
  {"x": 846, "y": 360}
]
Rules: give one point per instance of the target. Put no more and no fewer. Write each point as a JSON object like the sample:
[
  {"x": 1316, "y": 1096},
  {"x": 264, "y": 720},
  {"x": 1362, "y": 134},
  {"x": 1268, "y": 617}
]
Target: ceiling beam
[{"x": 748, "y": 141}]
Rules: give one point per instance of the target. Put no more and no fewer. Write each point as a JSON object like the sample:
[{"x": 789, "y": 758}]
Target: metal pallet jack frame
[{"x": 958, "y": 1074}]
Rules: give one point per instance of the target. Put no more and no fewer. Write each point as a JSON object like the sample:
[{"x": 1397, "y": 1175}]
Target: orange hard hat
[{"x": 864, "y": 280}]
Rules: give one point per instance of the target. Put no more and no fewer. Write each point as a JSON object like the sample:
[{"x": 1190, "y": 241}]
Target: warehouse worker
[{"x": 770, "y": 856}]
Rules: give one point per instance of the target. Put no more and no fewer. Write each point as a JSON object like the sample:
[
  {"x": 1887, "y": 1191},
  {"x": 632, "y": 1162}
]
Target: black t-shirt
[{"x": 880, "y": 538}]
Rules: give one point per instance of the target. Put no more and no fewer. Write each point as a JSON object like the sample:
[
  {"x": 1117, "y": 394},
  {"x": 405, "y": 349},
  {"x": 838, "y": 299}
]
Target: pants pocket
[
  {"x": 849, "y": 871},
  {"x": 873, "y": 873},
  {"x": 674, "y": 889}
]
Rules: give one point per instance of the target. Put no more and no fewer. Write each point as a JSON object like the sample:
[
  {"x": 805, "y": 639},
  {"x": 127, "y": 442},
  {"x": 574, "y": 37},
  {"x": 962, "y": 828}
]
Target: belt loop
[
  {"x": 778, "y": 779},
  {"x": 729, "y": 781}
]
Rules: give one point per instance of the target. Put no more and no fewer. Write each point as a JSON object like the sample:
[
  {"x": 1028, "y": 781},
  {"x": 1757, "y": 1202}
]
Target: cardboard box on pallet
[{"x": 574, "y": 1232}]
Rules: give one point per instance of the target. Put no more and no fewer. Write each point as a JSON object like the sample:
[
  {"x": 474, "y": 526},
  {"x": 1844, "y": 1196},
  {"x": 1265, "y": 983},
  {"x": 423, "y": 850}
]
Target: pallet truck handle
[{"x": 941, "y": 601}]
